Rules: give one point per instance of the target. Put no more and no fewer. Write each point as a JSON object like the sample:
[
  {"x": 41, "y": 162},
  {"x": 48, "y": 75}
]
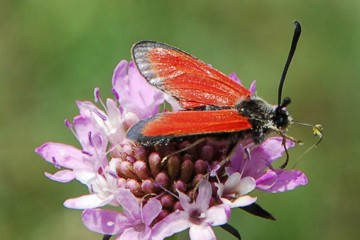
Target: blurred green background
[{"x": 55, "y": 52}]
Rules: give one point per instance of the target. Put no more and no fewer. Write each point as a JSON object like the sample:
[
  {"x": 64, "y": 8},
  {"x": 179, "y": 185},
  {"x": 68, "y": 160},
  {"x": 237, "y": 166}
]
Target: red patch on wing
[
  {"x": 183, "y": 123},
  {"x": 192, "y": 82}
]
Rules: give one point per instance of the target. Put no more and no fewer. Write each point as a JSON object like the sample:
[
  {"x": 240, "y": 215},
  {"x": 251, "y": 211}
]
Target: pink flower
[
  {"x": 100, "y": 133},
  {"x": 198, "y": 216},
  {"x": 256, "y": 161},
  {"x": 134, "y": 224},
  {"x": 138, "y": 98},
  {"x": 233, "y": 192},
  {"x": 141, "y": 187}
]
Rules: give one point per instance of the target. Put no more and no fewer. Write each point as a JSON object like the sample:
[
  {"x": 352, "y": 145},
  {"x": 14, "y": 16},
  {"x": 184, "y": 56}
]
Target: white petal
[
  {"x": 87, "y": 201},
  {"x": 233, "y": 181},
  {"x": 151, "y": 210},
  {"x": 63, "y": 176},
  {"x": 243, "y": 201},
  {"x": 173, "y": 223},
  {"x": 184, "y": 201},
  {"x": 218, "y": 215},
  {"x": 246, "y": 185},
  {"x": 129, "y": 203},
  {"x": 199, "y": 232},
  {"x": 85, "y": 176},
  {"x": 203, "y": 198}
]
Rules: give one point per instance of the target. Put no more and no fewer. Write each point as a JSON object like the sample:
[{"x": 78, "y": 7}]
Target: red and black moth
[{"x": 213, "y": 104}]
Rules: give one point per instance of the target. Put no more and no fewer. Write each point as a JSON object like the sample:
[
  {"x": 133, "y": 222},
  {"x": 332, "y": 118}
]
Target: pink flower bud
[
  {"x": 187, "y": 170},
  {"x": 155, "y": 163}
]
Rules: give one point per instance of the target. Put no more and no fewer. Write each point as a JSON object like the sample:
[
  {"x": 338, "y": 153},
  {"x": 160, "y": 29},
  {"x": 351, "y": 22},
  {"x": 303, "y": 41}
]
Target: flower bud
[
  {"x": 207, "y": 153},
  {"x": 134, "y": 187},
  {"x": 180, "y": 185},
  {"x": 173, "y": 167},
  {"x": 140, "y": 153},
  {"x": 125, "y": 169},
  {"x": 162, "y": 179},
  {"x": 167, "y": 201},
  {"x": 140, "y": 169},
  {"x": 187, "y": 170},
  {"x": 128, "y": 149},
  {"x": 200, "y": 166},
  {"x": 155, "y": 163},
  {"x": 177, "y": 206},
  {"x": 148, "y": 186}
]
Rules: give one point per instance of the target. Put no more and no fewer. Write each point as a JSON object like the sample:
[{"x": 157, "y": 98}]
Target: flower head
[
  {"x": 154, "y": 197},
  {"x": 134, "y": 223}
]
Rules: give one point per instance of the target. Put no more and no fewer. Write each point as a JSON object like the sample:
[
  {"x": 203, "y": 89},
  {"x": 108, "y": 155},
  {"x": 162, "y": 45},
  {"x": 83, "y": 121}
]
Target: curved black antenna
[{"x": 295, "y": 39}]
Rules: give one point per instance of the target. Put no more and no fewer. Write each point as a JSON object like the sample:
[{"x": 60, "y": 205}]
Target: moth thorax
[{"x": 257, "y": 110}]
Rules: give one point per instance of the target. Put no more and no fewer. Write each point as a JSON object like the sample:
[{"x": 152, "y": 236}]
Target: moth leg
[
  {"x": 166, "y": 158},
  {"x": 286, "y": 152},
  {"x": 285, "y": 137},
  {"x": 230, "y": 152}
]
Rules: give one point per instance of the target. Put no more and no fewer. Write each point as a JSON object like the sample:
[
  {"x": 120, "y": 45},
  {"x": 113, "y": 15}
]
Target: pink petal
[
  {"x": 61, "y": 155},
  {"x": 175, "y": 106},
  {"x": 129, "y": 203},
  {"x": 199, "y": 232},
  {"x": 267, "y": 180},
  {"x": 135, "y": 94},
  {"x": 237, "y": 160},
  {"x": 87, "y": 201},
  {"x": 104, "y": 221},
  {"x": 203, "y": 198},
  {"x": 130, "y": 234},
  {"x": 184, "y": 201},
  {"x": 133, "y": 233},
  {"x": 62, "y": 176},
  {"x": 173, "y": 223},
  {"x": 119, "y": 74},
  {"x": 218, "y": 215},
  {"x": 151, "y": 210},
  {"x": 82, "y": 126},
  {"x": 90, "y": 135},
  {"x": 234, "y": 77},
  {"x": 86, "y": 108},
  {"x": 252, "y": 87},
  {"x": 271, "y": 149},
  {"x": 288, "y": 180}
]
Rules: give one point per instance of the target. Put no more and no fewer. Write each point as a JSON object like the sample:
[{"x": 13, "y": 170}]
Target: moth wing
[
  {"x": 192, "y": 82},
  {"x": 188, "y": 123}
]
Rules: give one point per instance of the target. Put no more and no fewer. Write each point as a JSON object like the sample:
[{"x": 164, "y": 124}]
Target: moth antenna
[
  {"x": 296, "y": 36},
  {"x": 317, "y": 131}
]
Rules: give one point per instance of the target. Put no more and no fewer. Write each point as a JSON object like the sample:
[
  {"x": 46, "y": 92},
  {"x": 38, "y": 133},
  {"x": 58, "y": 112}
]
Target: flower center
[{"x": 196, "y": 217}]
